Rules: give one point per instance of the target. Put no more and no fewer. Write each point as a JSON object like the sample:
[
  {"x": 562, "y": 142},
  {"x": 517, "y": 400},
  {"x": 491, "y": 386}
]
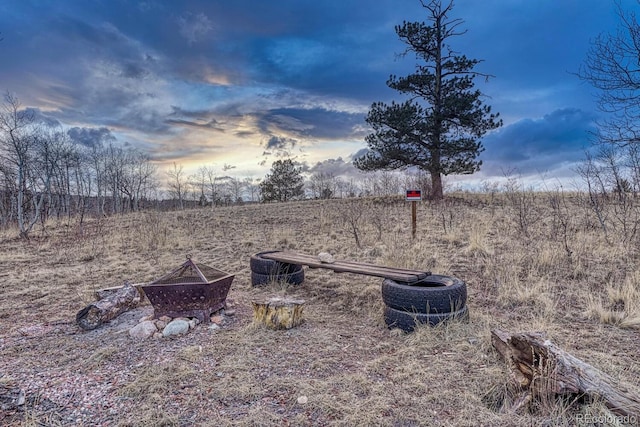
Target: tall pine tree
[{"x": 439, "y": 128}]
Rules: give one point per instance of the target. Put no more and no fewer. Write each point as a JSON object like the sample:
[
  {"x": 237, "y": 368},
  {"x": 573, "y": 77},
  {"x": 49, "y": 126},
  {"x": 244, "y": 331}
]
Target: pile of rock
[{"x": 166, "y": 326}]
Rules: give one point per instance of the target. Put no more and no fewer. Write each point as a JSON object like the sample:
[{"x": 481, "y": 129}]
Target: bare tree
[
  {"x": 199, "y": 185},
  {"x": 612, "y": 68},
  {"x": 50, "y": 171},
  {"x": 253, "y": 188},
  {"x": 212, "y": 184},
  {"x": 137, "y": 178},
  {"x": 178, "y": 185},
  {"x": 235, "y": 188},
  {"x": 591, "y": 174},
  {"x": 18, "y": 138},
  {"x": 323, "y": 185}
]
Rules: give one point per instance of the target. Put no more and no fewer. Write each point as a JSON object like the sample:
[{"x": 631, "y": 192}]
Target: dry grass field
[{"x": 530, "y": 263}]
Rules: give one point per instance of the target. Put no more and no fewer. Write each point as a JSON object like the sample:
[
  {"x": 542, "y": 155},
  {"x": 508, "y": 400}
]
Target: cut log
[
  {"x": 95, "y": 314},
  {"x": 278, "y": 313},
  {"x": 103, "y": 293},
  {"x": 542, "y": 369}
]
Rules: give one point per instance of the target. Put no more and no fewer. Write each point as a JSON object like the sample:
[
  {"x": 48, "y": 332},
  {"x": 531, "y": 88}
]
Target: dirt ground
[{"x": 342, "y": 366}]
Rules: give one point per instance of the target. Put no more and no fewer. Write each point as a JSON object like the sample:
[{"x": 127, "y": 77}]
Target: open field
[{"x": 530, "y": 265}]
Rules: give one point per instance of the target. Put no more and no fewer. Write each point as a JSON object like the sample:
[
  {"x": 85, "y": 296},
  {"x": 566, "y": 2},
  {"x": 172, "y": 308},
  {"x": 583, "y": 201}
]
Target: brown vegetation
[{"x": 538, "y": 262}]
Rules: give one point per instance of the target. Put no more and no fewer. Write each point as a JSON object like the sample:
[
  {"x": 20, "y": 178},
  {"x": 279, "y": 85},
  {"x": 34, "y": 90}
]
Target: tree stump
[
  {"x": 539, "y": 368},
  {"x": 96, "y": 313},
  {"x": 278, "y": 313}
]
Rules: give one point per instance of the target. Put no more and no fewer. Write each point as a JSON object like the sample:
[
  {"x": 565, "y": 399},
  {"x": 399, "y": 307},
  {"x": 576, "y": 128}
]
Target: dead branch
[{"x": 540, "y": 368}]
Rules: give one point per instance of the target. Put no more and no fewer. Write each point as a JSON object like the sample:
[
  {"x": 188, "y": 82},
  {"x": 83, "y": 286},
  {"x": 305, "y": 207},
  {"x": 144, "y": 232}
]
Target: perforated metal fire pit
[{"x": 192, "y": 290}]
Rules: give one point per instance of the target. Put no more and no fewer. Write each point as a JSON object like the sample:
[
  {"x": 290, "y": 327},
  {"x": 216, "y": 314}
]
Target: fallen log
[
  {"x": 96, "y": 313},
  {"x": 278, "y": 313},
  {"x": 103, "y": 293},
  {"x": 541, "y": 369}
]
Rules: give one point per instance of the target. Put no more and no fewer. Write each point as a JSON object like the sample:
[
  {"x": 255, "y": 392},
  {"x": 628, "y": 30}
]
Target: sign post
[{"x": 413, "y": 196}]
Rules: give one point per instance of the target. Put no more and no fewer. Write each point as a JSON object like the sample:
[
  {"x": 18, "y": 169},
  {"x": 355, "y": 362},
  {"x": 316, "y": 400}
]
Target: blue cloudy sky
[{"x": 246, "y": 82}]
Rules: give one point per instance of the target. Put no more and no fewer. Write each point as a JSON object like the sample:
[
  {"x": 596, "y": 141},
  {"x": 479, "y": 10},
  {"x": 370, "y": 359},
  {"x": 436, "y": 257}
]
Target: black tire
[
  {"x": 270, "y": 267},
  {"x": 295, "y": 278},
  {"x": 407, "y": 321},
  {"x": 434, "y": 294}
]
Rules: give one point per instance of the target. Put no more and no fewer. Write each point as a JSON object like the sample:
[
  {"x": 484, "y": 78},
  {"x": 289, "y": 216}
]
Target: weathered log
[
  {"x": 103, "y": 293},
  {"x": 96, "y": 313},
  {"x": 278, "y": 313},
  {"x": 540, "y": 368}
]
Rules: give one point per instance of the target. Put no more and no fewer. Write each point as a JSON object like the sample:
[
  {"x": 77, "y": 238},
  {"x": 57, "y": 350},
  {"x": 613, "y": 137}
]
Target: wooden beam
[{"x": 393, "y": 273}]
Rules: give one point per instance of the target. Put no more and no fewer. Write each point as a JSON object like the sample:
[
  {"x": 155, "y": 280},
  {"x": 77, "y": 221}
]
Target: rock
[
  {"x": 143, "y": 330},
  {"x": 326, "y": 258},
  {"x": 160, "y": 324},
  {"x": 145, "y": 318},
  {"x": 157, "y": 335},
  {"x": 176, "y": 327},
  {"x": 303, "y": 399},
  {"x": 21, "y": 398},
  {"x": 214, "y": 327},
  {"x": 230, "y": 303},
  {"x": 217, "y": 319},
  {"x": 192, "y": 323},
  {"x": 165, "y": 319},
  {"x": 230, "y": 312}
]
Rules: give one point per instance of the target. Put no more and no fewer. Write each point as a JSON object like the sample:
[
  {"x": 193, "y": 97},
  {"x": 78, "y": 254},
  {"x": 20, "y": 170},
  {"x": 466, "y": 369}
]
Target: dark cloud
[
  {"x": 212, "y": 124},
  {"x": 194, "y": 118},
  {"x": 244, "y": 134},
  {"x": 539, "y": 145},
  {"x": 335, "y": 167},
  {"x": 306, "y": 125},
  {"x": 279, "y": 146},
  {"x": 134, "y": 71},
  {"x": 91, "y": 137},
  {"x": 43, "y": 118},
  {"x": 279, "y": 143},
  {"x": 322, "y": 123}
]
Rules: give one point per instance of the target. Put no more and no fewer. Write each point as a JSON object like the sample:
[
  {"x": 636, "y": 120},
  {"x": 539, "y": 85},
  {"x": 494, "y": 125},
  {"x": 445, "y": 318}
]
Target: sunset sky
[{"x": 247, "y": 82}]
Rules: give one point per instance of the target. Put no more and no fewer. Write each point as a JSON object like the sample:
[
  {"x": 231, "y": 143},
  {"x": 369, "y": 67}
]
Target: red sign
[{"x": 414, "y": 195}]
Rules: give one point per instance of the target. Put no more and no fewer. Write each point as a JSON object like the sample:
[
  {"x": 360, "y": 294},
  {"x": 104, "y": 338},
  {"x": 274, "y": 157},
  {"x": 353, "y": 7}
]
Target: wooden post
[
  {"x": 539, "y": 368},
  {"x": 278, "y": 313},
  {"x": 413, "y": 196},
  {"x": 413, "y": 218}
]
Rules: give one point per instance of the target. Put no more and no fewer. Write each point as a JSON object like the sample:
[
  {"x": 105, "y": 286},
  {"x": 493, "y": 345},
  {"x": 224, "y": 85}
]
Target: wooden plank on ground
[{"x": 393, "y": 273}]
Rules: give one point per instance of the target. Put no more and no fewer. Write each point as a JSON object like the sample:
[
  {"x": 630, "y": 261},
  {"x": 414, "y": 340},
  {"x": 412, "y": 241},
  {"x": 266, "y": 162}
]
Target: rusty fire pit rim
[
  {"x": 190, "y": 263},
  {"x": 155, "y": 282}
]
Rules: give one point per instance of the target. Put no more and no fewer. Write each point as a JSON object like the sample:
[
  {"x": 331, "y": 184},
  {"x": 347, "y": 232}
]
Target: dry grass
[{"x": 349, "y": 366}]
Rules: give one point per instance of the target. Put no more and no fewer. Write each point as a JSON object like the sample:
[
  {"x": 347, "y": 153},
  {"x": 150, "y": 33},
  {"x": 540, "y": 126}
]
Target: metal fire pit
[{"x": 192, "y": 290}]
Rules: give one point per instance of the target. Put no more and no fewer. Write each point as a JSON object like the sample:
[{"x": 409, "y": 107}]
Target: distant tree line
[
  {"x": 285, "y": 183},
  {"x": 46, "y": 173}
]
